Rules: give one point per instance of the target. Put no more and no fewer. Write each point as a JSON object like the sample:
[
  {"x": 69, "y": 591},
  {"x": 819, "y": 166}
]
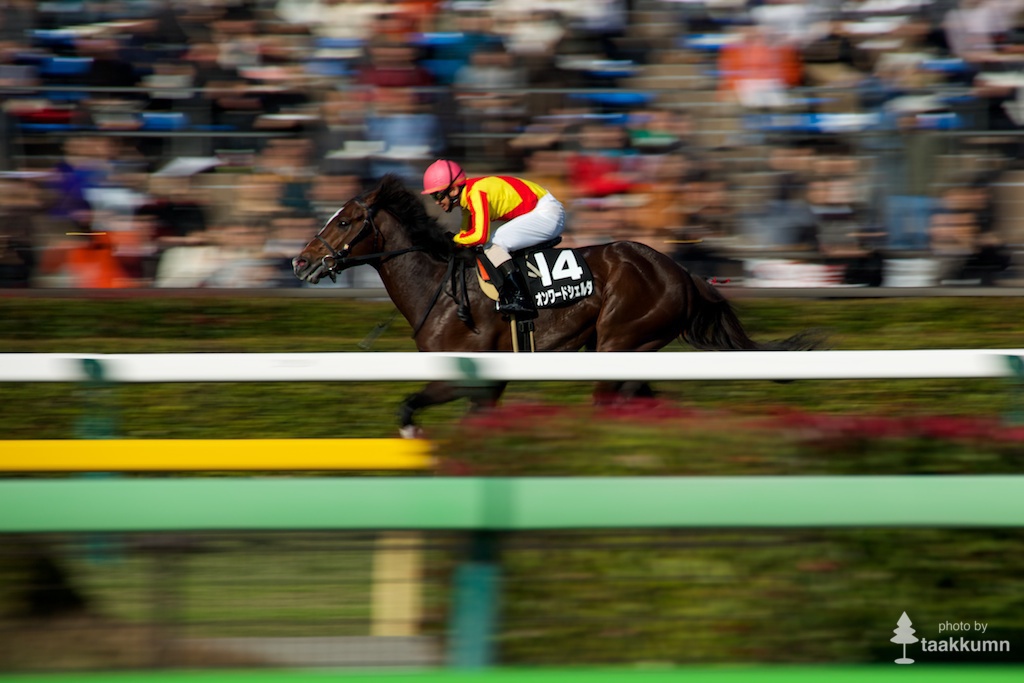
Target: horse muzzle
[{"x": 308, "y": 271}]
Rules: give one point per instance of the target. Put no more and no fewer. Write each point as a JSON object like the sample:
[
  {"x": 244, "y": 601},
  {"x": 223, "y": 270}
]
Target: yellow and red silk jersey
[{"x": 493, "y": 198}]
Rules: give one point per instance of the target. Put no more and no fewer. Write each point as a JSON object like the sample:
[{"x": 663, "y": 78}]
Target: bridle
[{"x": 338, "y": 260}]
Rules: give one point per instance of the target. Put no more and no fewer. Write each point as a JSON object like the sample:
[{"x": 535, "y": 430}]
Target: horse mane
[{"x": 393, "y": 196}]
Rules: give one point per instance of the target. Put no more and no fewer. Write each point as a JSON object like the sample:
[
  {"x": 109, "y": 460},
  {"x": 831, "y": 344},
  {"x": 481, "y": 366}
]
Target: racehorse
[{"x": 642, "y": 300}]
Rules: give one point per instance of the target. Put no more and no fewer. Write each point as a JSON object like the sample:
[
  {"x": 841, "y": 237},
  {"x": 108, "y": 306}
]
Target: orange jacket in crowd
[
  {"x": 92, "y": 265},
  {"x": 755, "y": 58}
]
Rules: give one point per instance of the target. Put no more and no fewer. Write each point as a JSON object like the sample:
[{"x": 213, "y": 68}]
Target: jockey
[{"x": 530, "y": 213}]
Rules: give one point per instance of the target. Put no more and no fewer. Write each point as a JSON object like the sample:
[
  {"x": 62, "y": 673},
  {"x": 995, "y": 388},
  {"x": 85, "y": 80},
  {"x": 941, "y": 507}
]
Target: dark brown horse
[{"x": 642, "y": 299}]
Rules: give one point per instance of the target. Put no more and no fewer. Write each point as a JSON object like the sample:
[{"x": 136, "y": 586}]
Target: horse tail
[{"x": 714, "y": 326}]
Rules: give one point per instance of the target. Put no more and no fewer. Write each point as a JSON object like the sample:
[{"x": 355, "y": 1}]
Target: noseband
[{"x": 338, "y": 260}]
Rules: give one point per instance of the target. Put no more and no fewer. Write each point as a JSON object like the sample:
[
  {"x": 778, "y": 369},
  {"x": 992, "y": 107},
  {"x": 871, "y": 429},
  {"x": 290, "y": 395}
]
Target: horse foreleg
[
  {"x": 434, "y": 393},
  {"x": 438, "y": 393}
]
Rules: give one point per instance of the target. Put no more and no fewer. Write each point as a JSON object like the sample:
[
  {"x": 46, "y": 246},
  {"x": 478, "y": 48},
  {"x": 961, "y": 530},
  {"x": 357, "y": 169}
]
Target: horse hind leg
[
  {"x": 485, "y": 395},
  {"x": 637, "y": 389},
  {"x": 608, "y": 393}
]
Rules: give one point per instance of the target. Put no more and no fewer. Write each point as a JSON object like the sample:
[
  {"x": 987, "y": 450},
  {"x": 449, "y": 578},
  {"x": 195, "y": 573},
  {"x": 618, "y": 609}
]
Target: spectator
[
  {"x": 409, "y": 130},
  {"x": 257, "y": 199},
  {"x": 600, "y": 167},
  {"x": 222, "y": 92},
  {"x": 20, "y": 205},
  {"x": 488, "y": 104},
  {"x": 130, "y": 235},
  {"x": 534, "y": 38},
  {"x": 787, "y": 222},
  {"x": 87, "y": 164},
  {"x": 982, "y": 34},
  {"x": 974, "y": 29},
  {"x": 473, "y": 30},
  {"x": 13, "y": 75},
  {"x": 340, "y": 127},
  {"x": 291, "y": 160},
  {"x": 329, "y": 193},
  {"x": 242, "y": 259},
  {"x": 17, "y": 19},
  {"x": 87, "y": 261},
  {"x": 601, "y": 181},
  {"x": 109, "y": 68},
  {"x": 179, "y": 208},
  {"x": 792, "y": 22},
  {"x": 757, "y": 70},
  {"x": 231, "y": 255},
  {"x": 706, "y": 201},
  {"x": 189, "y": 265},
  {"x": 963, "y": 233},
  {"x": 333, "y": 19},
  {"x": 391, "y": 63}
]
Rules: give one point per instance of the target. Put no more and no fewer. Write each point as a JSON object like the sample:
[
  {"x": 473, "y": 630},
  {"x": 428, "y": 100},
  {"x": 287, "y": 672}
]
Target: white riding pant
[{"x": 545, "y": 222}]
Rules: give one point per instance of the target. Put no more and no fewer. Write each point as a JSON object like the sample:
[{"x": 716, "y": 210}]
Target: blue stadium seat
[
  {"x": 616, "y": 99},
  {"x": 64, "y": 71},
  {"x": 47, "y": 127},
  {"x": 338, "y": 43},
  {"x": 326, "y": 66},
  {"x": 164, "y": 121},
  {"x": 65, "y": 67},
  {"x": 60, "y": 38}
]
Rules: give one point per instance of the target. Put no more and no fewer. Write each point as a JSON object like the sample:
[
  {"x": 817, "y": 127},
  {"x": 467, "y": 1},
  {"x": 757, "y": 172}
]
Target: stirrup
[{"x": 519, "y": 309}]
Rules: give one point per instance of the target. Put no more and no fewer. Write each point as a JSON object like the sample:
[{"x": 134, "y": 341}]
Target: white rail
[{"x": 411, "y": 366}]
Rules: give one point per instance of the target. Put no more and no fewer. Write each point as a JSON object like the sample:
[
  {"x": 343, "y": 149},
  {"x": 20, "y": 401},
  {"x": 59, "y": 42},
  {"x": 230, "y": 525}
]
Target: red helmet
[{"x": 441, "y": 175}]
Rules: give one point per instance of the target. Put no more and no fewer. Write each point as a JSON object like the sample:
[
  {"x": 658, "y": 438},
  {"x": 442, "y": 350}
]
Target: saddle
[{"x": 556, "y": 277}]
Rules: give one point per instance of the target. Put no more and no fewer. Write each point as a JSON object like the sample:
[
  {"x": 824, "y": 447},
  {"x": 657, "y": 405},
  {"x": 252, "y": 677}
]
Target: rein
[
  {"x": 339, "y": 258},
  {"x": 383, "y": 255}
]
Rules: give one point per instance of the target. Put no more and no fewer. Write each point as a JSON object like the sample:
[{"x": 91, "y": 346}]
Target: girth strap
[{"x": 455, "y": 272}]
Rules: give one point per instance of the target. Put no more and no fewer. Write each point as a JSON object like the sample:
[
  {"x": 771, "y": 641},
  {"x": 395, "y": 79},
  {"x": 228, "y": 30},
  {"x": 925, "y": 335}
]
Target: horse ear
[
  {"x": 371, "y": 198},
  {"x": 382, "y": 188}
]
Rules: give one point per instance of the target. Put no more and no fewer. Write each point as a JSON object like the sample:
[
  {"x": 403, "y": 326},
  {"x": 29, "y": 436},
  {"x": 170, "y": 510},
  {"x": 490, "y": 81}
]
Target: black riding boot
[{"x": 514, "y": 297}]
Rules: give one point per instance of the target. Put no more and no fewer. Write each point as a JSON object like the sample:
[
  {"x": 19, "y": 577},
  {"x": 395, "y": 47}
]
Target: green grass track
[{"x": 934, "y": 673}]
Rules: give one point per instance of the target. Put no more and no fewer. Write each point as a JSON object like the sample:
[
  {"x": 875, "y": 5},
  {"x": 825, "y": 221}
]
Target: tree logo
[{"x": 904, "y": 636}]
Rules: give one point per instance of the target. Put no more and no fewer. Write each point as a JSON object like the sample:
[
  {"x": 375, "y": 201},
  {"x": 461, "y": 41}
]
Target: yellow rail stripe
[{"x": 126, "y": 455}]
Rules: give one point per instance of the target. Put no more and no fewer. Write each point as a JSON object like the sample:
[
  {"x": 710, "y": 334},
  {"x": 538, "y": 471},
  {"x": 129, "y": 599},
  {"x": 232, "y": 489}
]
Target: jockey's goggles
[{"x": 439, "y": 195}]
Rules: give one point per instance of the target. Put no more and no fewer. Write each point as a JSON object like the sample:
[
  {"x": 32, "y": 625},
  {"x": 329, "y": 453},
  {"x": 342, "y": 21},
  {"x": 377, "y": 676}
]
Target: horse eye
[{"x": 343, "y": 224}]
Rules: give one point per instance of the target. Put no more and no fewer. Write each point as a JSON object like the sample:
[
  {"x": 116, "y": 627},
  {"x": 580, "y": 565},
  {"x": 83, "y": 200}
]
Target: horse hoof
[{"x": 410, "y": 432}]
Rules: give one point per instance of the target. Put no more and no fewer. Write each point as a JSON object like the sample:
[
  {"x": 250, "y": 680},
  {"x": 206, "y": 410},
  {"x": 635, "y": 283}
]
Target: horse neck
[{"x": 411, "y": 279}]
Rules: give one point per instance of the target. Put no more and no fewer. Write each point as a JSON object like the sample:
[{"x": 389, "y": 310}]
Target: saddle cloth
[{"x": 556, "y": 277}]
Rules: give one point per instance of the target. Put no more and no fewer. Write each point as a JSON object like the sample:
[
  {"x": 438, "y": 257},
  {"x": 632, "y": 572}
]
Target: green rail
[{"x": 144, "y": 504}]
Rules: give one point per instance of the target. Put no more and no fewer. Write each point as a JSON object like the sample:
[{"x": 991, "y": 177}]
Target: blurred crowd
[{"x": 201, "y": 143}]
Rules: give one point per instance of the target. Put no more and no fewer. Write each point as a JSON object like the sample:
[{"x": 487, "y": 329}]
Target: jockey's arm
[{"x": 476, "y": 221}]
